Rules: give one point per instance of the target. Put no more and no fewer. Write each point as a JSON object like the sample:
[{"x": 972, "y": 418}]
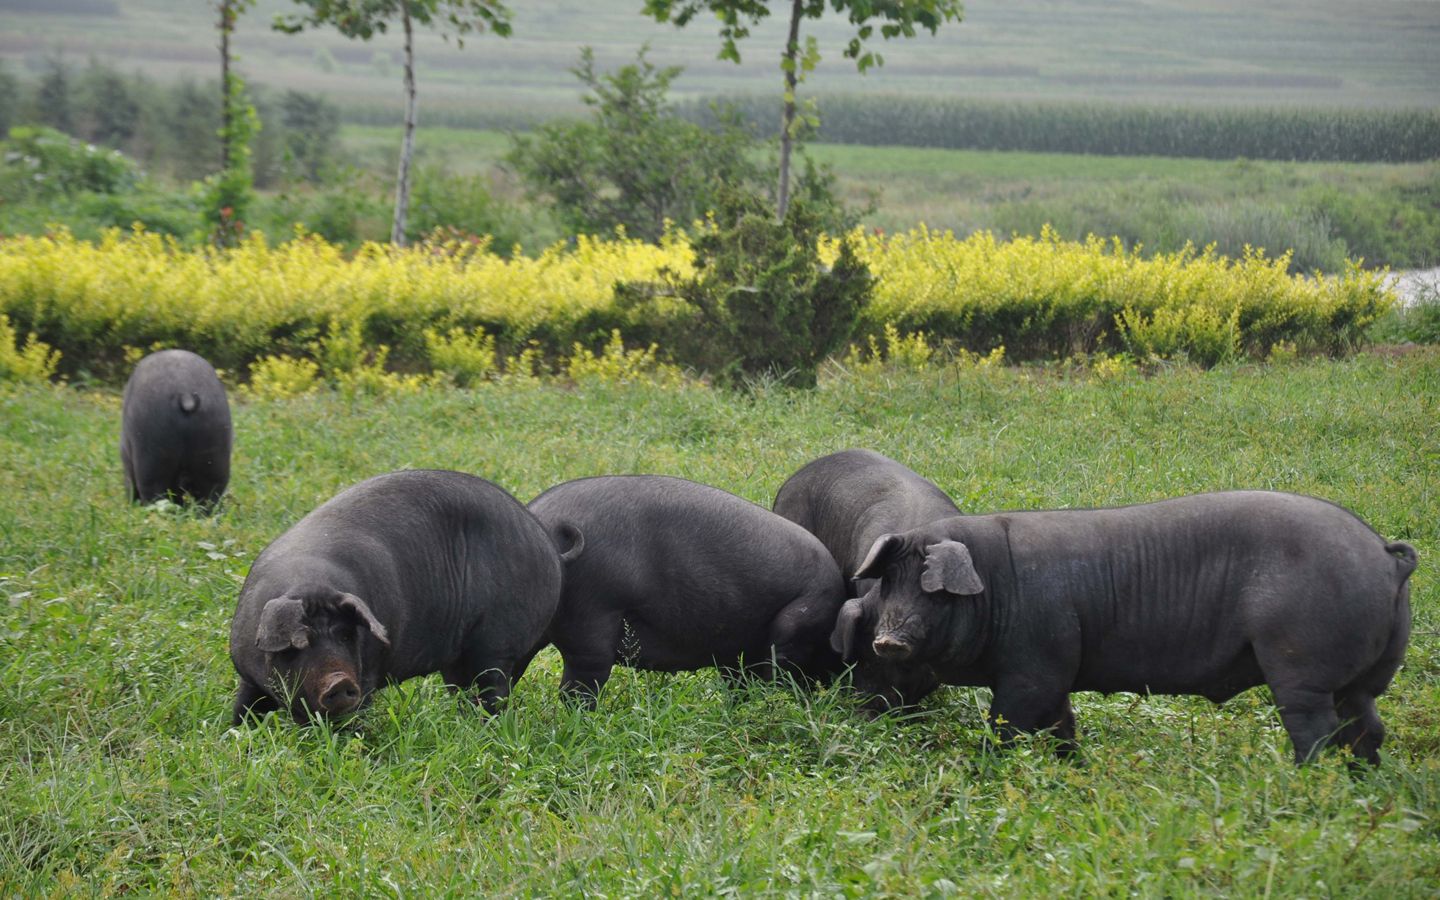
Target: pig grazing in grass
[
  {"x": 401, "y": 575},
  {"x": 669, "y": 575},
  {"x": 1209, "y": 594},
  {"x": 848, "y": 500},
  {"x": 175, "y": 431}
]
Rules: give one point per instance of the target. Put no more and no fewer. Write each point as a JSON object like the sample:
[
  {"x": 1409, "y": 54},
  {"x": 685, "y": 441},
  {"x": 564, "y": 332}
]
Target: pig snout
[
  {"x": 892, "y": 647},
  {"x": 338, "y": 694}
]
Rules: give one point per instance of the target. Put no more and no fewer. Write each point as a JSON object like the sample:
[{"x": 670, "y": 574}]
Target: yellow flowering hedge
[
  {"x": 1036, "y": 296},
  {"x": 1047, "y": 296}
]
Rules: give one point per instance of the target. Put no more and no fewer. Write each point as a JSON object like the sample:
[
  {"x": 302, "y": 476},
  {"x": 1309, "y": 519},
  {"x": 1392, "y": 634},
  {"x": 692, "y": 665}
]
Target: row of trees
[
  {"x": 363, "y": 19},
  {"x": 172, "y": 129}
]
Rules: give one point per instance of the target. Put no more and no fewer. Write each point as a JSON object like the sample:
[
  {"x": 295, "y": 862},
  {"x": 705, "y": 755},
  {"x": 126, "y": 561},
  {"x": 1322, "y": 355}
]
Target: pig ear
[
  {"x": 842, "y": 639},
  {"x": 948, "y": 567},
  {"x": 357, "y": 606},
  {"x": 880, "y": 551},
  {"x": 282, "y": 625},
  {"x": 569, "y": 540}
]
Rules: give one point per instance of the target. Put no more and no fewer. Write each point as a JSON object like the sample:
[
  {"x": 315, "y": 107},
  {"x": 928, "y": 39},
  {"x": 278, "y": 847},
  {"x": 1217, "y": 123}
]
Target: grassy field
[
  {"x": 1211, "y": 51},
  {"x": 1388, "y": 214},
  {"x": 121, "y": 774}
]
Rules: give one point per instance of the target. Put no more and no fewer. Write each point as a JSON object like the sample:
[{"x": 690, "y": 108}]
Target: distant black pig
[
  {"x": 175, "y": 432},
  {"x": 666, "y": 574},
  {"x": 1209, "y": 595},
  {"x": 848, "y": 500},
  {"x": 401, "y": 575}
]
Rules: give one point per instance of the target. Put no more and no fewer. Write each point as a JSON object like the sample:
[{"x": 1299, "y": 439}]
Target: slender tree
[
  {"x": 229, "y": 192},
  {"x": 895, "y": 18},
  {"x": 229, "y": 11},
  {"x": 364, "y": 18}
]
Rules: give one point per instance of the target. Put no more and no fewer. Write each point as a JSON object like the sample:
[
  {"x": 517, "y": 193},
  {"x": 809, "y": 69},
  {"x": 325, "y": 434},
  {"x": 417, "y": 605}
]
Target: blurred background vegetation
[{"x": 1311, "y": 129}]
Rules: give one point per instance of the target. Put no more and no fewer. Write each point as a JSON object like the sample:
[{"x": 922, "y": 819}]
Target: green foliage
[
  {"x": 634, "y": 164},
  {"x": 347, "y": 210},
  {"x": 911, "y": 352},
  {"x": 193, "y": 121},
  {"x": 9, "y": 99},
  {"x": 34, "y": 361},
  {"x": 1353, "y": 134},
  {"x": 1418, "y": 323},
  {"x": 357, "y": 367},
  {"x": 109, "y": 113},
  {"x": 171, "y": 128},
  {"x": 311, "y": 126},
  {"x": 282, "y": 378},
  {"x": 54, "y": 97},
  {"x": 616, "y": 365},
  {"x": 1198, "y": 333},
  {"x": 228, "y": 195},
  {"x": 1387, "y": 224},
  {"x": 122, "y": 776},
  {"x": 467, "y": 358},
  {"x": 763, "y": 303},
  {"x": 365, "y": 18},
  {"x": 41, "y": 162},
  {"x": 894, "y": 18},
  {"x": 446, "y": 207}
]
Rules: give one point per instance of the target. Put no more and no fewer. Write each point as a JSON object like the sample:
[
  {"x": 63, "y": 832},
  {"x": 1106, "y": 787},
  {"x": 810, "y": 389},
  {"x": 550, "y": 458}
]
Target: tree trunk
[
  {"x": 227, "y": 115},
  {"x": 787, "y": 114},
  {"x": 407, "y": 145}
]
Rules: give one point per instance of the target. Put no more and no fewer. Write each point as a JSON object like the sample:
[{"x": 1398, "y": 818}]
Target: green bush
[
  {"x": 762, "y": 301},
  {"x": 1398, "y": 225},
  {"x": 633, "y": 164},
  {"x": 162, "y": 212},
  {"x": 448, "y": 206},
  {"x": 32, "y": 361},
  {"x": 42, "y": 162},
  {"x": 1418, "y": 323},
  {"x": 466, "y": 357}
]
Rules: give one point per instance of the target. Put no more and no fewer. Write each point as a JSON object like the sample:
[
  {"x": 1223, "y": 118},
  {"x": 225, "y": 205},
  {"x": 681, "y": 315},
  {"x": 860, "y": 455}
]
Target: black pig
[
  {"x": 401, "y": 575},
  {"x": 175, "y": 431},
  {"x": 848, "y": 499},
  {"x": 1208, "y": 595},
  {"x": 666, "y": 574}
]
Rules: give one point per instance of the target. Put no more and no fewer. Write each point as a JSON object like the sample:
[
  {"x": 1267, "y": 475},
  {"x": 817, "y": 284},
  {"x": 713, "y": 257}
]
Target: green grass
[
  {"x": 1384, "y": 213},
  {"x": 460, "y": 151},
  {"x": 1185, "y": 51},
  {"x": 121, "y": 774}
]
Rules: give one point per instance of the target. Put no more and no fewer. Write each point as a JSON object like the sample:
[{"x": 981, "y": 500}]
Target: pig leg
[
  {"x": 1306, "y": 707},
  {"x": 1309, "y": 717},
  {"x": 525, "y": 661},
  {"x": 131, "y": 485},
  {"x": 251, "y": 699},
  {"x": 1062, "y": 720},
  {"x": 588, "y": 651},
  {"x": 1361, "y": 731},
  {"x": 1025, "y": 704},
  {"x": 487, "y": 666},
  {"x": 490, "y": 680},
  {"x": 798, "y": 639}
]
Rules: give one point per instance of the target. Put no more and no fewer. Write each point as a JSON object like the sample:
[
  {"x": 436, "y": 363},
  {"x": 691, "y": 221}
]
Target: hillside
[{"x": 1326, "y": 52}]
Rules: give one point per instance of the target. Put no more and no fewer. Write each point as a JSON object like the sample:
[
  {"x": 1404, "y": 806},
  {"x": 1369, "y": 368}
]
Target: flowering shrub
[
  {"x": 306, "y": 299},
  {"x": 282, "y": 377},
  {"x": 33, "y": 362},
  {"x": 616, "y": 365}
]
